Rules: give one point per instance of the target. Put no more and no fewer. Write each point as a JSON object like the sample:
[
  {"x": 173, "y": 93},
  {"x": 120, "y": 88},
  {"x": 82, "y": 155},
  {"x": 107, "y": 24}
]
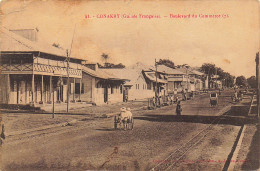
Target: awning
[{"x": 151, "y": 76}]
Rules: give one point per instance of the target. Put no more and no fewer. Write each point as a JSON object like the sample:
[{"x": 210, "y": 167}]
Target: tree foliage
[
  {"x": 211, "y": 69},
  {"x": 252, "y": 82},
  {"x": 111, "y": 65},
  {"x": 166, "y": 62},
  {"x": 105, "y": 57},
  {"x": 241, "y": 81}
]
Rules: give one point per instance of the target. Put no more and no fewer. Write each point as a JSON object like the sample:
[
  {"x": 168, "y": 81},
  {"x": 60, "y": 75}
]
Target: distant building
[
  {"x": 137, "y": 87},
  {"x": 175, "y": 78},
  {"x": 194, "y": 80}
]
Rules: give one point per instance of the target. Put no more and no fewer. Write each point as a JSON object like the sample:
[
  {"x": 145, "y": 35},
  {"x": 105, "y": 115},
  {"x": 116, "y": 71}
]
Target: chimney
[{"x": 30, "y": 34}]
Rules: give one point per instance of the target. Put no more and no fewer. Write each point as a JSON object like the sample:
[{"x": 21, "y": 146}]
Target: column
[
  {"x": 32, "y": 88},
  {"x": 80, "y": 80},
  {"x": 25, "y": 92},
  {"x": 8, "y": 89},
  {"x": 42, "y": 90},
  {"x": 50, "y": 89},
  {"x": 74, "y": 89}
]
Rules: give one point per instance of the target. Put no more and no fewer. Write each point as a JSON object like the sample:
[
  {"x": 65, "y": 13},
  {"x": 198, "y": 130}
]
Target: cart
[
  {"x": 125, "y": 123},
  {"x": 213, "y": 99}
]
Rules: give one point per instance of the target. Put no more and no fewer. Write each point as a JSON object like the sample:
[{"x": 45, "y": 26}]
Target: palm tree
[{"x": 105, "y": 57}]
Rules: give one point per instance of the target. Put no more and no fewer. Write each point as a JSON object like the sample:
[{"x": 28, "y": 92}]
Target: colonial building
[
  {"x": 176, "y": 78},
  {"x": 193, "y": 80},
  {"x": 138, "y": 87},
  {"x": 33, "y": 72},
  {"x": 100, "y": 86}
]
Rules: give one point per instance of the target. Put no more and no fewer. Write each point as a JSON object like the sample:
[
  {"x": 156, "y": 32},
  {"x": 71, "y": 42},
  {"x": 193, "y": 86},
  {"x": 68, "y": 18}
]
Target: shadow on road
[
  {"x": 107, "y": 129},
  {"x": 235, "y": 116}
]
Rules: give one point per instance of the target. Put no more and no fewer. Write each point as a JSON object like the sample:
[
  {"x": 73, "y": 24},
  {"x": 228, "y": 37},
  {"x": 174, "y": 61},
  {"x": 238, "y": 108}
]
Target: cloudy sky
[{"x": 229, "y": 42}]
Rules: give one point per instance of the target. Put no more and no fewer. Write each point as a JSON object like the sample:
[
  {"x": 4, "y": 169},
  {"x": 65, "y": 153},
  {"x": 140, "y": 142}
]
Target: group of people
[
  {"x": 169, "y": 99},
  {"x": 238, "y": 96},
  {"x": 166, "y": 100}
]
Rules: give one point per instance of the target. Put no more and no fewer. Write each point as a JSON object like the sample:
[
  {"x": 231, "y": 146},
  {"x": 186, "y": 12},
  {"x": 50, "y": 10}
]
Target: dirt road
[{"x": 94, "y": 144}]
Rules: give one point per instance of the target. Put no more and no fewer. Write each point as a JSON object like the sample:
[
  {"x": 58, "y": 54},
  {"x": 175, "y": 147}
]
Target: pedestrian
[
  {"x": 153, "y": 101},
  {"x": 2, "y": 136},
  {"x": 178, "y": 108},
  {"x": 171, "y": 99}
]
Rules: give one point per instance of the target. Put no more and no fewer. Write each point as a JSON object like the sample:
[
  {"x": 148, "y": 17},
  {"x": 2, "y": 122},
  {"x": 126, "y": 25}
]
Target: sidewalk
[
  {"x": 249, "y": 152},
  {"x": 247, "y": 156},
  {"x": 22, "y": 121}
]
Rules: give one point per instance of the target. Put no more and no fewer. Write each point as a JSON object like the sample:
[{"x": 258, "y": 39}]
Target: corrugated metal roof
[
  {"x": 168, "y": 70},
  {"x": 101, "y": 74},
  {"x": 151, "y": 76},
  {"x": 14, "y": 42},
  {"x": 123, "y": 73}
]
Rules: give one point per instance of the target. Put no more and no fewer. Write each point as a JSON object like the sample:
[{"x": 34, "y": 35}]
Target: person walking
[{"x": 178, "y": 108}]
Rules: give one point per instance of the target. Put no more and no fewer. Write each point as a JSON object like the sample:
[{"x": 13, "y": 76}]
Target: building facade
[{"x": 34, "y": 73}]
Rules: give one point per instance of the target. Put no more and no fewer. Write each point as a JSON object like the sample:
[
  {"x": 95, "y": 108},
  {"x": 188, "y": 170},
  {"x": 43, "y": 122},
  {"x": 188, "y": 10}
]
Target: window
[
  {"x": 136, "y": 86},
  {"x": 77, "y": 88},
  {"x": 149, "y": 86},
  {"x": 112, "y": 90},
  {"x": 82, "y": 88}
]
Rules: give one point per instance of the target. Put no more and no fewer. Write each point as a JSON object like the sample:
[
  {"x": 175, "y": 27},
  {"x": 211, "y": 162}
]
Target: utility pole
[
  {"x": 52, "y": 102},
  {"x": 258, "y": 82},
  {"x": 68, "y": 80},
  {"x": 156, "y": 84},
  {"x": 186, "y": 82}
]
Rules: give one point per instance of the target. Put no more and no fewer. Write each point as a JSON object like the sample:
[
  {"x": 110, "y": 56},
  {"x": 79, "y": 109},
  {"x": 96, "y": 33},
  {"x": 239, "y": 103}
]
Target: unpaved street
[{"x": 94, "y": 144}]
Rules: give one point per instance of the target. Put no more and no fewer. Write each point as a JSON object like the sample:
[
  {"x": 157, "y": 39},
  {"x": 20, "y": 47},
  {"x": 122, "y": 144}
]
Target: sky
[{"x": 230, "y": 41}]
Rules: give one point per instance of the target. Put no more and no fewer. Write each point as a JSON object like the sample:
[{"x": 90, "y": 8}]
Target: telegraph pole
[
  {"x": 258, "y": 82},
  {"x": 68, "y": 81},
  {"x": 156, "y": 83},
  {"x": 68, "y": 60}
]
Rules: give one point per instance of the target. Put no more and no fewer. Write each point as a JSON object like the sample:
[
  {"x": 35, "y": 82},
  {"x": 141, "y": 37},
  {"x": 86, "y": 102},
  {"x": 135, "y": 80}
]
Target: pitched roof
[
  {"x": 151, "y": 76},
  {"x": 123, "y": 73},
  {"x": 13, "y": 42},
  {"x": 168, "y": 70},
  {"x": 197, "y": 72},
  {"x": 101, "y": 74}
]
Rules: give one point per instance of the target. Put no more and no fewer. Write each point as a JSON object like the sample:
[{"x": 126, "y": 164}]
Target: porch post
[
  {"x": 8, "y": 88},
  {"x": 74, "y": 89},
  {"x": 32, "y": 88},
  {"x": 42, "y": 90},
  {"x": 25, "y": 92},
  {"x": 80, "y": 87},
  {"x": 50, "y": 89}
]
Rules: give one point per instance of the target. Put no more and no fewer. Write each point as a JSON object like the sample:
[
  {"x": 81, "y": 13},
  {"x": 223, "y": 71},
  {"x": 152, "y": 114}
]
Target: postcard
[{"x": 129, "y": 85}]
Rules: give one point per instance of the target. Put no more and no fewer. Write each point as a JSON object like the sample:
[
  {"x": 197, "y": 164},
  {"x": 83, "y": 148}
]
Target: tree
[
  {"x": 252, "y": 82},
  {"x": 105, "y": 57},
  {"x": 209, "y": 69},
  {"x": 111, "y": 65},
  {"x": 166, "y": 62},
  {"x": 241, "y": 81}
]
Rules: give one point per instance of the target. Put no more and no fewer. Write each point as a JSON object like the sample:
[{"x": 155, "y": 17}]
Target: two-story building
[{"x": 33, "y": 72}]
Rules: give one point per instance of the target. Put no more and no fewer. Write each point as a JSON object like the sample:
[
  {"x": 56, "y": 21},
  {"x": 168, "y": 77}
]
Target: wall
[
  {"x": 87, "y": 81},
  {"x": 139, "y": 90}
]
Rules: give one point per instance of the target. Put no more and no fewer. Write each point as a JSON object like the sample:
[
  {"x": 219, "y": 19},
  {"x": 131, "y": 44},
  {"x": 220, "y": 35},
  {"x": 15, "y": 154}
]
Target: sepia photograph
[{"x": 142, "y": 85}]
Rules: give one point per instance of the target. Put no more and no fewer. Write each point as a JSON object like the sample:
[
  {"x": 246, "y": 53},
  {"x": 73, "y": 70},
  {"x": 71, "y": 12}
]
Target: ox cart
[{"x": 124, "y": 120}]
